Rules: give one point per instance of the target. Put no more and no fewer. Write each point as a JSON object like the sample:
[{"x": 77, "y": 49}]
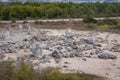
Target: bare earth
[{"x": 109, "y": 68}]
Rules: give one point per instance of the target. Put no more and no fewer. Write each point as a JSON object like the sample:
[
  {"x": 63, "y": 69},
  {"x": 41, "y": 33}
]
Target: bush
[
  {"x": 89, "y": 20},
  {"x": 46, "y": 10},
  {"x": 91, "y": 26},
  {"x": 109, "y": 22},
  {"x": 103, "y": 27},
  {"x": 26, "y": 72}
]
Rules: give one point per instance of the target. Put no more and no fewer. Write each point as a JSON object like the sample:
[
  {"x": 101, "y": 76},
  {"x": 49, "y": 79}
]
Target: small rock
[
  {"x": 65, "y": 66},
  {"x": 107, "y": 56},
  {"x": 99, "y": 45},
  {"x": 57, "y": 54},
  {"x": 66, "y": 62},
  {"x": 37, "y": 50},
  {"x": 116, "y": 48},
  {"x": 84, "y": 59}
]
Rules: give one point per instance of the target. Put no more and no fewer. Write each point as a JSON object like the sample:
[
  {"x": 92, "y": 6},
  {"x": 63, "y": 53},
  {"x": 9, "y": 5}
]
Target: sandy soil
[
  {"x": 100, "y": 67},
  {"x": 105, "y": 68}
]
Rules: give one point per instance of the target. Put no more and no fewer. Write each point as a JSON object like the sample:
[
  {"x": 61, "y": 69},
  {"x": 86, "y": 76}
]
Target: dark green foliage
[
  {"x": 25, "y": 72},
  {"x": 36, "y": 10}
]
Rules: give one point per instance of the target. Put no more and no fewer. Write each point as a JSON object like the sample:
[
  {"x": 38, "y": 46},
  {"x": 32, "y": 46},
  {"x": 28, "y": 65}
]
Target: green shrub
[
  {"x": 26, "y": 72},
  {"x": 46, "y": 10},
  {"x": 109, "y": 22},
  {"x": 54, "y": 75},
  {"x": 103, "y": 27},
  {"x": 91, "y": 26}
]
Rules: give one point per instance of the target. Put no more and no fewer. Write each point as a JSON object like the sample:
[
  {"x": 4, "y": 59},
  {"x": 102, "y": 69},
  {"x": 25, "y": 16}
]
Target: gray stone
[
  {"x": 98, "y": 45},
  {"x": 79, "y": 54},
  {"x": 66, "y": 55},
  {"x": 69, "y": 33},
  {"x": 59, "y": 48},
  {"x": 107, "y": 56},
  {"x": 27, "y": 44},
  {"x": 12, "y": 49},
  {"x": 72, "y": 54},
  {"x": 4, "y": 35},
  {"x": 57, "y": 54},
  {"x": 89, "y": 47},
  {"x": 116, "y": 48},
  {"x": 69, "y": 49},
  {"x": 65, "y": 66},
  {"x": 88, "y": 41},
  {"x": 44, "y": 38},
  {"x": 74, "y": 46},
  {"x": 84, "y": 59},
  {"x": 37, "y": 50},
  {"x": 68, "y": 40},
  {"x": 9, "y": 47},
  {"x": 99, "y": 39}
]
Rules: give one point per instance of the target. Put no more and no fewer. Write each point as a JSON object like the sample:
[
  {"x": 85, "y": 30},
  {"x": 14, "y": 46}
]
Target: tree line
[{"x": 35, "y": 10}]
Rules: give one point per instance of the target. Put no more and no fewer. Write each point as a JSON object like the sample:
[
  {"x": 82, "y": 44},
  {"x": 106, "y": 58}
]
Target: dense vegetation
[
  {"x": 25, "y": 72},
  {"x": 36, "y": 10}
]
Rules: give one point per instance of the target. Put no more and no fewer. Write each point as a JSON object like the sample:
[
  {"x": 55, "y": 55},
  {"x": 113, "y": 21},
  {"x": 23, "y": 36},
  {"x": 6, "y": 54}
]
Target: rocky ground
[{"x": 91, "y": 52}]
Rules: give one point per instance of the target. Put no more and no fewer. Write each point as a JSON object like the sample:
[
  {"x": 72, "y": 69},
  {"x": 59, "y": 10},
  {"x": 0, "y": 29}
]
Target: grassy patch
[
  {"x": 103, "y": 27},
  {"x": 91, "y": 26},
  {"x": 25, "y": 72},
  {"x": 109, "y": 22}
]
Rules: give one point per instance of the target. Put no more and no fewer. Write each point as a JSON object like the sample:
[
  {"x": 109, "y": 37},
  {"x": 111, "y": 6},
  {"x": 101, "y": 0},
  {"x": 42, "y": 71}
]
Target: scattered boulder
[
  {"x": 69, "y": 33},
  {"x": 89, "y": 47},
  {"x": 65, "y": 66},
  {"x": 12, "y": 49},
  {"x": 86, "y": 40},
  {"x": 66, "y": 55},
  {"x": 106, "y": 56},
  {"x": 116, "y": 48},
  {"x": 98, "y": 45},
  {"x": 57, "y": 54},
  {"x": 37, "y": 50},
  {"x": 84, "y": 59},
  {"x": 99, "y": 39},
  {"x": 43, "y": 37}
]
